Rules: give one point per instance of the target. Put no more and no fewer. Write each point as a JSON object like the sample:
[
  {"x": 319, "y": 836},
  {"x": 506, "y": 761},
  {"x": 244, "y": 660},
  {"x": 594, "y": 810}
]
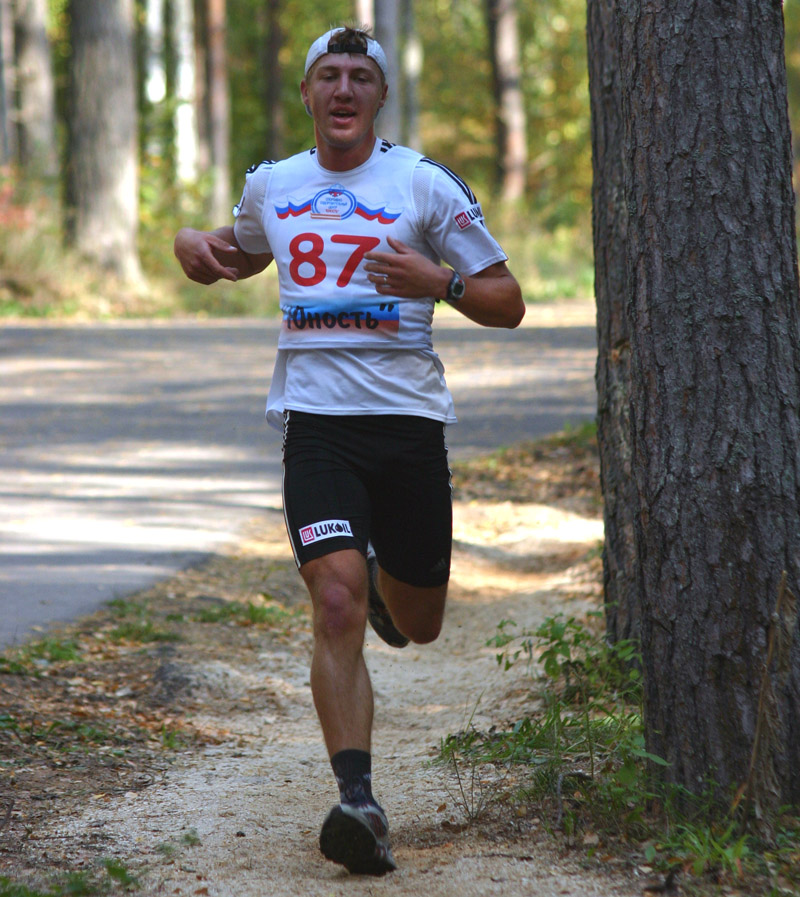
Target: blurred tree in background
[
  {"x": 218, "y": 89},
  {"x": 101, "y": 170},
  {"x": 35, "y": 89}
]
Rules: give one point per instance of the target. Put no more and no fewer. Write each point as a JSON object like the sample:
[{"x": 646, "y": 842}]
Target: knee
[{"x": 337, "y": 612}]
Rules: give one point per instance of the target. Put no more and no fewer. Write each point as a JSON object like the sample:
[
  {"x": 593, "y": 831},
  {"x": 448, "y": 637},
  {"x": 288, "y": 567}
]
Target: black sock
[{"x": 353, "y": 771}]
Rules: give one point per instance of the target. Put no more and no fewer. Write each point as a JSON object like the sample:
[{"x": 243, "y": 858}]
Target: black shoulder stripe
[
  {"x": 253, "y": 167},
  {"x": 386, "y": 146},
  {"x": 451, "y": 174}
]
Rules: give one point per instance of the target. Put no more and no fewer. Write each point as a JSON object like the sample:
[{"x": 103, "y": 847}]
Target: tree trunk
[
  {"x": 153, "y": 80},
  {"x": 392, "y": 23},
  {"x": 365, "y": 13},
  {"x": 38, "y": 151},
  {"x": 155, "y": 66},
  {"x": 609, "y": 220},
  {"x": 102, "y": 171},
  {"x": 512, "y": 151},
  {"x": 387, "y": 30},
  {"x": 202, "y": 112},
  {"x": 715, "y": 384},
  {"x": 8, "y": 132},
  {"x": 219, "y": 111},
  {"x": 273, "y": 82},
  {"x": 185, "y": 121},
  {"x": 412, "y": 70}
]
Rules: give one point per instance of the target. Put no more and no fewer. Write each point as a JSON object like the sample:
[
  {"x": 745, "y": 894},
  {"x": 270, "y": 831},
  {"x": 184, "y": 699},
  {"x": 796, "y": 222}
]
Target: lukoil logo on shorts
[{"x": 325, "y": 529}]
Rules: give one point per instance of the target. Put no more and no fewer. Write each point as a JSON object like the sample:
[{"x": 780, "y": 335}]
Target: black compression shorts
[{"x": 379, "y": 478}]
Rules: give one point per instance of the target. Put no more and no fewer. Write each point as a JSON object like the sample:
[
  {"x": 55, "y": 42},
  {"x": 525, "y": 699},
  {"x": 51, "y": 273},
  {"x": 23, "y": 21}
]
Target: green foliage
[
  {"x": 458, "y": 107},
  {"x": 63, "y": 735},
  {"x": 551, "y": 263},
  {"x": 38, "y": 655},
  {"x": 119, "y": 873},
  {"x": 457, "y": 127},
  {"x": 190, "y": 838},
  {"x": 141, "y": 631},
  {"x": 586, "y": 737},
  {"x": 135, "y": 624},
  {"x": 172, "y": 739},
  {"x": 169, "y": 849},
  {"x": 588, "y": 719},
  {"x": 109, "y": 877},
  {"x": 580, "y": 761},
  {"x": 270, "y": 614},
  {"x": 300, "y": 25},
  {"x": 791, "y": 17},
  {"x": 548, "y": 238}
]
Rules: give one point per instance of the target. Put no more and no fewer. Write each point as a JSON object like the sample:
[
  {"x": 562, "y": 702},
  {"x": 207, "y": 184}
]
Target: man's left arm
[{"x": 492, "y": 297}]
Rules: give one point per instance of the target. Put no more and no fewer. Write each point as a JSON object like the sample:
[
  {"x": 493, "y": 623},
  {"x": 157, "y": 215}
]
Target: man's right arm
[{"x": 209, "y": 256}]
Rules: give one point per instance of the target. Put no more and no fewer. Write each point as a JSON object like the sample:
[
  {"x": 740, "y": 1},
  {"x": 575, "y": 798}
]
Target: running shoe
[
  {"x": 358, "y": 839},
  {"x": 378, "y": 614}
]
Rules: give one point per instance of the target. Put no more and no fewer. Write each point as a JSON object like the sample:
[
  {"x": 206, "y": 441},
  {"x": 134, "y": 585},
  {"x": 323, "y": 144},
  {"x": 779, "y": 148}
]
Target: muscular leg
[
  {"x": 355, "y": 832},
  {"x": 416, "y": 611},
  {"x": 340, "y": 682}
]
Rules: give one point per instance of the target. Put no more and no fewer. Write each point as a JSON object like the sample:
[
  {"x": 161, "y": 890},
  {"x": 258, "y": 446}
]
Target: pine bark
[
  {"x": 102, "y": 191},
  {"x": 612, "y": 377},
  {"x": 715, "y": 378}
]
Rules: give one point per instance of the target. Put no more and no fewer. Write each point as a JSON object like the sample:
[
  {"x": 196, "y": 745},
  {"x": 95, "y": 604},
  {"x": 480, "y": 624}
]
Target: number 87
[{"x": 313, "y": 257}]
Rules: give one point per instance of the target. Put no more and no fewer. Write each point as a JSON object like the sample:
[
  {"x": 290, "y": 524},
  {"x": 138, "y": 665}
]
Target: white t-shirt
[{"x": 343, "y": 348}]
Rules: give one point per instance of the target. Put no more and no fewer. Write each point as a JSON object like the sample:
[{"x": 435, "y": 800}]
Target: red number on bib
[
  {"x": 363, "y": 246},
  {"x": 311, "y": 256}
]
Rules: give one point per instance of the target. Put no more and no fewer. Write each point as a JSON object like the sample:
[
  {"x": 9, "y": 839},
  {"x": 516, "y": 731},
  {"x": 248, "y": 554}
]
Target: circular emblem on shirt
[{"x": 334, "y": 202}]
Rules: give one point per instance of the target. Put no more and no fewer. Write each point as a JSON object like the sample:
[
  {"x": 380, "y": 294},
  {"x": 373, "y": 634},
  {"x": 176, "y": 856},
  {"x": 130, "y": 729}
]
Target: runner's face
[{"x": 344, "y": 93}]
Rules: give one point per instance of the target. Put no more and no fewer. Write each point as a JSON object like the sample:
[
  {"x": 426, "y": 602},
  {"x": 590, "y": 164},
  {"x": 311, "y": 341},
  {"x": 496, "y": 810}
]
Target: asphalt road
[{"x": 131, "y": 450}]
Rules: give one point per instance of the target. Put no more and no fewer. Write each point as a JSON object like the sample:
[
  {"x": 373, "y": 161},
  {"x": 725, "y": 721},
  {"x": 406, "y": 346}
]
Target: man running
[{"x": 357, "y": 227}]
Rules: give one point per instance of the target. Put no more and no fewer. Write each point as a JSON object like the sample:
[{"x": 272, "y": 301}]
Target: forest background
[{"x": 546, "y": 230}]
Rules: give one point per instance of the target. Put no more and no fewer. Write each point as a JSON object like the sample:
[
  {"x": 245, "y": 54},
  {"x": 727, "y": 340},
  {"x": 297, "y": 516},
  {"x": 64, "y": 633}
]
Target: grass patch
[
  {"x": 142, "y": 631},
  {"x": 270, "y": 614},
  {"x": 39, "y": 655},
  {"x": 110, "y": 876},
  {"x": 578, "y": 761},
  {"x": 136, "y": 624}
]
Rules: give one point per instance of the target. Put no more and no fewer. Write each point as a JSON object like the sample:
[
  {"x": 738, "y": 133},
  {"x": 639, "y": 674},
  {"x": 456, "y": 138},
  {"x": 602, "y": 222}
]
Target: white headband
[{"x": 324, "y": 44}]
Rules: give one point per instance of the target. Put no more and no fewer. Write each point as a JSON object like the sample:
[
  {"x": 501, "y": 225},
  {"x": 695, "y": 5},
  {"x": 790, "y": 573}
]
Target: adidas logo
[{"x": 441, "y": 566}]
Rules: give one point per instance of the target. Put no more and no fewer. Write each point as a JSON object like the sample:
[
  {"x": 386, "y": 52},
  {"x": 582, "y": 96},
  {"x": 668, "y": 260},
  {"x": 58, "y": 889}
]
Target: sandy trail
[{"x": 242, "y": 817}]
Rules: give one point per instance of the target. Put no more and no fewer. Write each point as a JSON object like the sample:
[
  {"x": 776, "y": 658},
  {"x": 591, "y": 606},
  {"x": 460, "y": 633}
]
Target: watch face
[{"x": 457, "y": 287}]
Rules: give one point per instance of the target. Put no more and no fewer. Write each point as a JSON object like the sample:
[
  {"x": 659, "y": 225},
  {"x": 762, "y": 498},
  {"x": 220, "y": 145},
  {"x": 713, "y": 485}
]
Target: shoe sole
[{"x": 350, "y": 843}]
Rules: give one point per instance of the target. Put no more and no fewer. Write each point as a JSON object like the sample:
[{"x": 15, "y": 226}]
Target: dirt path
[{"x": 241, "y": 817}]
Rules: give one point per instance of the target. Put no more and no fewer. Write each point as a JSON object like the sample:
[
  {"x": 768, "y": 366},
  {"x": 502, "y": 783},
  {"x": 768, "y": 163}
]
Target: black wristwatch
[{"x": 455, "y": 289}]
